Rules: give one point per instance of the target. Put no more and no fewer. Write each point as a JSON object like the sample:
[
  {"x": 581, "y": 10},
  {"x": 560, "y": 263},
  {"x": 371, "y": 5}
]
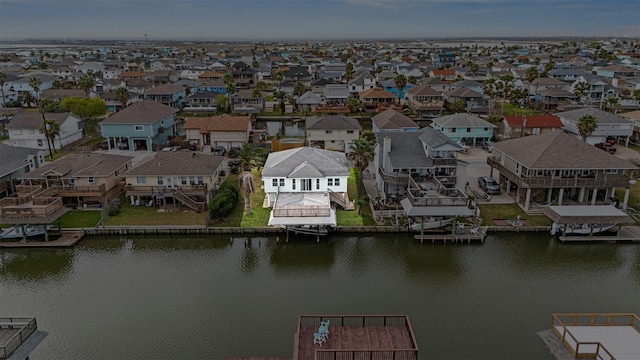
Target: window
[
  {"x": 317, "y": 184},
  {"x": 468, "y": 130},
  {"x": 200, "y": 180},
  {"x": 160, "y": 180},
  {"x": 486, "y": 129},
  {"x": 349, "y": 131},
  {"x": 32, "y": 131},
  {"x": 141, "y": 179},
  {"x": 612, "y": 171},
  {"x": 40, "y": 142},
  {"x": 192, "y": 180},
  {"x": 453, "y": 129},
  {"x": 91, "y": 180},
  {"x": 79, "y": 125},
  {"x": 336, "y": 182},
  {"x": 117, "y": 173},
  {"x": 138, "y": 127},
  {"x": 330, "y": 181},
  {"x": 293, "y": 184},
  {"x": 281, "y": 182},
  {"x": 328, "y": 131},
  {"x": 274, "y": 182},
  {"x": 183, "y": 180}
]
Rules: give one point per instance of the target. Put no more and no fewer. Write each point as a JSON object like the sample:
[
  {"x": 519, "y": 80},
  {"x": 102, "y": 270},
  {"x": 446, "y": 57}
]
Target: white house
[
  {"x": 24, "y": 130},
  {"x": 301, "y": 183}
]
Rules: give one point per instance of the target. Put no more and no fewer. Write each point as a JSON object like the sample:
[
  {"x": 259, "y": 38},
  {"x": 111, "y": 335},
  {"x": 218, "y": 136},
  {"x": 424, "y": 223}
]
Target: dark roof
[
  {"x": 13, "y": 158},
  {"x": 301, "y": 162},
  {"x": 558, "y": 150},
  {"x": 184, "y": 163},
  {"x": 333, "y": 122},
  {"x": 407, "y": 150},
  {"x": 25, "y": 120},
  {"x": 391, "y": 119},
  {"x": 81, "y": 165},
  {"x": 600, "y": 115},
  {"x": 142, "y": 112}
]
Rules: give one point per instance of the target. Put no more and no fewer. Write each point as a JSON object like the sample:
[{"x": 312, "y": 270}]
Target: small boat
[
  {"x": 580, "y": 229},
  {"x": 431, "y": 223},
  {"x": 16, "y": 232}
]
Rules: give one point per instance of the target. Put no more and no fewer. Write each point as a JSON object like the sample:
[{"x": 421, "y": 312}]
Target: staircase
[
  {"x": 188, "y": 202},
  {"x": 342, "y": 199}
]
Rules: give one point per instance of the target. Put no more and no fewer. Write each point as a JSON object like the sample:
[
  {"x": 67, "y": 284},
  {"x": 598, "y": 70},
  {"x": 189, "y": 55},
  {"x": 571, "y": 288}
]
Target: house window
[
  {"x": 336, "y": 182},
  {"x": 328, "y": 131},
  {"x": 79, "y": 125},
  {"x": 40, "y": 142},
  {"x": 117, "y": 173},
  {"x": 274, "y": 182},
  {"x": 200, "y": 180},
  {"x": 281, "y": 182},
  {"x": 453, "y": 129},
  {"x": 293, "y": 184},
  {"x": 91, "y": 180},
  {"x": 317, "y": 184},
  {"x": 468, "y": 130},
  {"x": 612, "y": 171},
  {"x": 31, "y": 131},
  {"x": 192, "y": 180},
  {"x": 486, "y": 129},
  {"x": 183, "y": 180},
  {"x": 160, "y": 180},
  {"x": 141, "y": 179},
  {"x": 138, "y": 127},
  {"x": 330, "y": 181},
  {"x": 349, "y": 131}
]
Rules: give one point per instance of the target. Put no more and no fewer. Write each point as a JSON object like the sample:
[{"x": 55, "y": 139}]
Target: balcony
[
  {"x": 397, "y": 178},
  {"x": 540, "y": 182},
  {"x": 435, "y": 194},
  {"x": 72, "y": 190},
  {"x": 143, "y": 190},
  {"x": 439, "y": 161}
]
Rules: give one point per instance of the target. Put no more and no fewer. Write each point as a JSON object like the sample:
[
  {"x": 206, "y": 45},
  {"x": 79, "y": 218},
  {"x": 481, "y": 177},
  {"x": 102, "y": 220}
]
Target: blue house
[
  {"x": 142, "y": 126},
  {"x": 463, "y": 128},
  {"x": 390, "y": 86},
  {"x": 216, "y": 86}
]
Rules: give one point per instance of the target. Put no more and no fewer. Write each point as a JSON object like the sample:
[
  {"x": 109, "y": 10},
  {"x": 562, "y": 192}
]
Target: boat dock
[
  {"x": 66, "y": 239},
  {"x": 467, "y": 235},
  {"x": 626, "y": 233}
]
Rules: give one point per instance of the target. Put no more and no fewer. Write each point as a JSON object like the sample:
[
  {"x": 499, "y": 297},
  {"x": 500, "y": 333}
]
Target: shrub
[
  {"x": 223, "y": 202},
  {"x": 114, "y": 210}
]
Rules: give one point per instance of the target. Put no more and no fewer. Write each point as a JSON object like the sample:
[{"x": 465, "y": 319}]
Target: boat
[
  {"x": 16, "y": 232},
  {"x": 431, "y": 223},
  {"x": 580, "y": 229}
]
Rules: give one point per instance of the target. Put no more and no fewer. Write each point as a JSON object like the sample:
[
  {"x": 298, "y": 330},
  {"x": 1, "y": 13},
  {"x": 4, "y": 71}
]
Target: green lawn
[
  {"x": 79, "y": 219},
  {"x": 56, "y": 155},
  {"x": 488, "y": 212},
  {"x": 512, "y": 110},
  {"x": 259, "y": 216},
  {"x": 149, "y": 216},
  {"x": 634, "y": 196}
]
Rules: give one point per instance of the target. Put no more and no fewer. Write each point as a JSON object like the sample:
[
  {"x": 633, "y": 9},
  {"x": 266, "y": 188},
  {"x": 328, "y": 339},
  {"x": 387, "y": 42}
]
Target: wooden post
[
  {"x": 46, "y": 233},
  {"x": 24, "y": 233},
  {"x": 287, "y": 230},
  {"x": 318, "y": 234}
]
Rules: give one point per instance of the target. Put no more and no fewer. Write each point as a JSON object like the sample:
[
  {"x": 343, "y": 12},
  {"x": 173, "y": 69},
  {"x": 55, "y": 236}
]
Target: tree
[
  {"x": 85, "y": 108},
  {"x": 261, "y": 85},
  {"x": 246, "y": 185},
  {"x": 298, "y": 88},
  {"x": 489, "y": 88},
  {"x": 458, "y": 105},
  {"x": 248, "y": 157},
  {"x": 581, "y": 90},
  {"x": 86, "y": 83},
  {"x": 348, "y": 72},
  {"x": 354, "y": 104},
  {"x": 50, "y": 128},
  {"x": 586, "y": 125},
  {"x": 3, "y": 79},
  {"x": 123, "y": 96},
  {"x": 187, "y": 89},
  {"x": 27, "y": 99},
  {"x": 412, "y": 80},
  {"x": 361, "y": 152},
  {"x": 281, "y": 96},
  {"x": 255, "y": 93},
  {"x": 56, "y": 84},
  {"x": 222, "y": 102},
  {"x": 611, "y": 104},
  {"x": 400, "y": 82},
  {"x": 35, "y": 83}
]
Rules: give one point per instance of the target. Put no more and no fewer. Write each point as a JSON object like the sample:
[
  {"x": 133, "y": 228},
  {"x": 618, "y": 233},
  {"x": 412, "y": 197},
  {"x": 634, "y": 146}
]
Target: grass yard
[
  {"x": 512, "y": 110},
  {"x": 149, "y": 216},
  {"x": 259, "y": 216},
  {"x": 79, "y": 219},
  {"x": 488, "y": 212},
  {"x": 634, "y": 196}
]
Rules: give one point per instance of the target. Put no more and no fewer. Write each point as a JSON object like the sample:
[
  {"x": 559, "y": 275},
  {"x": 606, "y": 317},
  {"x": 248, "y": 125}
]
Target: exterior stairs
[
  {"x": 342, "y": 199},
  {"x": 188, "y": 202}
]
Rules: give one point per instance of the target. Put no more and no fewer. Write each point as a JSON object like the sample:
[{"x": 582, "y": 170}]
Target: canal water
[{"x": 213, "y": 298}]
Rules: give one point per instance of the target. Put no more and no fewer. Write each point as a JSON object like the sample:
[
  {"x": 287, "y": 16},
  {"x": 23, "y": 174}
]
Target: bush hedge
[{"x": 223, "y": 202}]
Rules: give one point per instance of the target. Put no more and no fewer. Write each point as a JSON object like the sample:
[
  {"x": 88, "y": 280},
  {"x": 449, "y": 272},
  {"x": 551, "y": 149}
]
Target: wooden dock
[
  {"x": 459, "y": 237},
  {"x": 627, "y": 233},
  {"x": 66, "y": 239},
  {"x": 555, "y": 345}
]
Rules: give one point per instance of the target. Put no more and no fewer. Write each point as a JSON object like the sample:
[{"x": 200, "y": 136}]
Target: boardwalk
[{"x": 66, "y": 239}]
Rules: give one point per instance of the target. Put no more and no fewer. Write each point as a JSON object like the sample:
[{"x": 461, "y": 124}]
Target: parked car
[
  {"x": 234, "y": 152},
  {"x": 489, "y": 185},
  {"x": 611, "y": 140},
  {"x": 606, "y": 147},
  {"x": 219, "y": 150},
  {"x": 104, "y": 144},
  {"x": 487, "y": 146}
]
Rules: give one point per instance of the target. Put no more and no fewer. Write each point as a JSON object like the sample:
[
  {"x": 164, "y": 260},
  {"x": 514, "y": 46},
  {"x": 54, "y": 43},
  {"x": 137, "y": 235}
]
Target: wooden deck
[
  {"x": 66, "y": 239},
  {"x": 627, "y": 233},
  {"x": 462, "y": 237},
  {"x": 358, "y": 337}
]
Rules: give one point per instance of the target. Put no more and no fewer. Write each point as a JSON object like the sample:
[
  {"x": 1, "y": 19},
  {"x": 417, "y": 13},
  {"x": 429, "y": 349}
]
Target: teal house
[
  {"x": 464, "y": 128},
  {"x": 143, "y": 126}
]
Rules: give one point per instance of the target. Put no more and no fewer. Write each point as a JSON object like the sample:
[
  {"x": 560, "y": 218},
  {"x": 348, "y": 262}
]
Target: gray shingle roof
[
  {"x": 287, "y": 163},
  {"x": 391, "y": 119},
  {"x": 333, "y": 122},
  {"x": 180, "y": 163},
  {"x": 13, "y": 158},
  {"x": 558, "y": 150},
  {"x": 142, "y": 112},
  {"x": 600, "y": 115},
  {"x": 407, "y": 150},
  {"x": 462, "y": 120},
  {"x": 34, "y": 120},
  {"x": 434, "y": 138}
]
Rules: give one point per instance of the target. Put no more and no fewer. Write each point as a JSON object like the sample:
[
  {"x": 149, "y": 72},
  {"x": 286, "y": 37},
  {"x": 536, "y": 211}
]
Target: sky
[{"x": 314, "y": 19}]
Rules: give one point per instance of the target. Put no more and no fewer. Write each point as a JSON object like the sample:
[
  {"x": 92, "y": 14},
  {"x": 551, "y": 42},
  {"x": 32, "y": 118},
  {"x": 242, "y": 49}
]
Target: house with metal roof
[
  {"x": 559, "y": 168},
  {"x": 301, "y": 183},
  {"x": 464, "y": 128},
  {"x": 332, "y": 132}
]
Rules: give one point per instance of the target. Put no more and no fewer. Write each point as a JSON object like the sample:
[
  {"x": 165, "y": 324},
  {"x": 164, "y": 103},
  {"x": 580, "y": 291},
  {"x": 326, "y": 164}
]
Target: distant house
[
  {"x": 14, "y": 162},
  {"x": 175, "y": 179},
  {"x": 297, "y": 73},
  {"x": 243, "y": 73},
  {"x": 56, "y": 95},
  {"x": 243, "y": 102},
  {"x": 216, "y": 86},
  {"x": 113, "y": 104},
  {"x": 390, "y": 86},
  {"x": 472, "y": 101},
  {"x": 557, "y": 167},
  {"x": 598, "y": 88},
  {"x": 464, "y": 128},
  {"x": 425, "y": 100},
  {"x": 333, "y": 132},
  {"x": 616, "y": 72},
  {"x": 361, "y": 81},
  {"x": 447, "y": 75},
  {"x": 608, "y": 125},
  {"x": 225, "y": 130},
  {"x": 308, "y": 101},
  {"x": 24, "y": 130},
  {"x": 87, "y": 180},
  {"x": 335, "y": 94},
  {"x": 518, "y": 126},
  {"x": 392, "y": 121},
  {"x": 373, "y": 97},
  {"x": 168, "y": 94},
  {"x": 201, "y": 101},
  {"x": 141, "y": 126},
  {"x": 301, "y": 183}
]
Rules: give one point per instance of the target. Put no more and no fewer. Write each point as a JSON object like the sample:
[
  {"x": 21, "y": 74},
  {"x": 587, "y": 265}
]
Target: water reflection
[
  {"x": 35, "y": 264},
  {"x": 181, "y": 243},
  {"x": 250, "y": 257},
  {"x": 438, "y": 264},
  {"x": 305, "y": 255},
  {"x": 284, "y": 128}
]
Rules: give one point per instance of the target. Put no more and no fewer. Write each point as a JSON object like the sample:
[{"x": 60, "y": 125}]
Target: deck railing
[
  {"x": 302, "y": 211},
  {"x": 362, "y": 320},
  {"x": 589, "y": 349},
  {"x": 394, "y": 178},
  {"x": 26, "y": 325}
]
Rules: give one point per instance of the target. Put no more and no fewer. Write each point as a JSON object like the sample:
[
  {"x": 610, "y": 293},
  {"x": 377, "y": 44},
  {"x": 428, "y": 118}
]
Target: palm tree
[
  {"x": 581, "y": 89},
  {"x": 281, "y": 96},
  {"x": 27, "y": 99},
  {"x": 248, "y": 156},
  {"x": 123, "y": 96},
  {"x": 246, "y": 185},
  {"x": 298, "y": 88},
  {"x": 50, "y": 129},
  {"x": 489, "y": 88},
  {"x": 361, "y": 152},
  {"x": 586, "y": 125},
  {"x": 400, "y": 82},
  {"x": 86, "y": 83},
  {"x": 611, "y": 104},
  {"x": 35, "y": 83},
  {"x": 3, "y": 79},
  {"x": 348, "y": 72}
]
